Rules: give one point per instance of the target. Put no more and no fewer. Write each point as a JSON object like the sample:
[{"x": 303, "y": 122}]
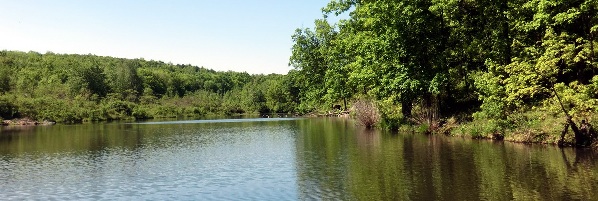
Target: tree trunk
[
  {"x": 587, "y": 22},
  {"x": 579, "y": 139},
  {"x": 562, "y": 140},
  {"x": 504, "y": 7},
  {"x": 345, "y": 102},
  {"x": 406, "y": 107},
  {"x": 429, "y": 109},
  {"x": 593, "y": 53}
]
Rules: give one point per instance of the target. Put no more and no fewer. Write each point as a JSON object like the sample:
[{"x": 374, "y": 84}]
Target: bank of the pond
[
  {"x": 25, "y": 122},
  {"x": 536, "y": 128},
  {"x": 533, "y": 127}
]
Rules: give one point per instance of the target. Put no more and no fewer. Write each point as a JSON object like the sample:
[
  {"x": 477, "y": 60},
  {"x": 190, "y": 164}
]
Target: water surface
[{"x": 280, "y": 159}]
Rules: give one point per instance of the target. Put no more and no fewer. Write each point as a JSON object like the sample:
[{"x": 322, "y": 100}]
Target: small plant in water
[{"x": 366, "y": 113}]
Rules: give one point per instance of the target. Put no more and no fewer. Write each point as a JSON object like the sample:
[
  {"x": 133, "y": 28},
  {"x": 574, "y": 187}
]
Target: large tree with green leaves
[
  {"x": 309, "y": 57},
  {"x": 396, "y": 48},
  {"x": 553, "y": 53},
  {"x": 510, "y": 55}
]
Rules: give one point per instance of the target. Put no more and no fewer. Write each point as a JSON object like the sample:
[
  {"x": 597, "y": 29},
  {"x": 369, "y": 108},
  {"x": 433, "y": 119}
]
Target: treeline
[
  {"x": 76, "y": 88},
  {"x": 500, "y": 63}
]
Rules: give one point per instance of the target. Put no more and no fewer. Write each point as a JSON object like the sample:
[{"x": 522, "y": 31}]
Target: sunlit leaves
[{"x": 554, "y": 53}]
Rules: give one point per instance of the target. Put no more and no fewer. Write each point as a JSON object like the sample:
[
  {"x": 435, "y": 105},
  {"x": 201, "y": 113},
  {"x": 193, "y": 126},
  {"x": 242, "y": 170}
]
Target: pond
[{"x": 280, "y": 159}]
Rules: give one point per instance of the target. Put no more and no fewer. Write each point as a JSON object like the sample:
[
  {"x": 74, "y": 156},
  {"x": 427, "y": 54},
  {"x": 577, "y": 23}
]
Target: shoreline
[
  {"x": 25, "y": 122},
  {"x": 513, "y": 137}
]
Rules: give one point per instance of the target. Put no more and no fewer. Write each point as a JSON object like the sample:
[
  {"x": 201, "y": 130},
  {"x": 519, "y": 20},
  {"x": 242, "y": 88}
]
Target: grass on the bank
[{"x": 528, "y": 127}]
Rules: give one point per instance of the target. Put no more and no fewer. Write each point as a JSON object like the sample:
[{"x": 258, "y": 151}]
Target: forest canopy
[
  {"x": 75, "y": 88},
  {"x": 496, "y": 61}
]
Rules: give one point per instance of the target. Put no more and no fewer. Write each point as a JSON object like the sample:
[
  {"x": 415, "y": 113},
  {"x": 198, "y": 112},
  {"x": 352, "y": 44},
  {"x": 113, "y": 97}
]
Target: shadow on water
[{"x": 376, "y": 165}]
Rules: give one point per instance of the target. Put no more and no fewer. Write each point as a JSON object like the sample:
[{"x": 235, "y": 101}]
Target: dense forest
[
  {"x": 511, "y": 68},
  {"x": 515, "y": 69},
  {"x": 76, "y": 88}
]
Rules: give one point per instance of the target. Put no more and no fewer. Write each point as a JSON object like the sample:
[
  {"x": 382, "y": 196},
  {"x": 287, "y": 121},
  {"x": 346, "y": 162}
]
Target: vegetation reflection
[{"x": 377, "y": 165}]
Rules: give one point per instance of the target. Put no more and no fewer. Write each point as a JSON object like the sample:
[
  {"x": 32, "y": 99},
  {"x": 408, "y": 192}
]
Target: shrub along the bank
[{"x": 366, "y": 113}]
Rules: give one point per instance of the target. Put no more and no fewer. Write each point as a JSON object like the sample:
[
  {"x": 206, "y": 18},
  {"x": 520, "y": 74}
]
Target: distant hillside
[{"x": 75, "y": 88}]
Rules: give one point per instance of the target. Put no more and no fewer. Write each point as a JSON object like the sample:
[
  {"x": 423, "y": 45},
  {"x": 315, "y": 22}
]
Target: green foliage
[
  {"x": 492, "y": 59},
  {"x": 308, "y": 57},
  {"x": 553, "y": 55},
  {"x": 89, "y": 79},
  {"x": 76, "y": 88},
  {"x": 155, "y": 82},
  {"x": 231, "y": 103},
  {"x": 577, "y": 99},
  {"x": 423, "y": 128},
  {"x": 390, "y": 117},
  {"x": 5, "y": 78},
  {"x": 479, "y": 128},
  {"x": 7, "y": 108}
]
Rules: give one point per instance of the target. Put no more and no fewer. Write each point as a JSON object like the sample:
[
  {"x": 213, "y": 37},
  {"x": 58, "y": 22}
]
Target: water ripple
[{"x": 189, "y": 164}]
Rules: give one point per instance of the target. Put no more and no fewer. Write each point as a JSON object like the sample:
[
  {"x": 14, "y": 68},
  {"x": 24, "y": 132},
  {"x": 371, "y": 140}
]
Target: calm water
[{"x": 280, "y": 159}]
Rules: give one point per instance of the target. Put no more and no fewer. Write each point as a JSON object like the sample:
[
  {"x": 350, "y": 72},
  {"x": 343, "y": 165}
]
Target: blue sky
[{"x": 252, "y": 36}]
